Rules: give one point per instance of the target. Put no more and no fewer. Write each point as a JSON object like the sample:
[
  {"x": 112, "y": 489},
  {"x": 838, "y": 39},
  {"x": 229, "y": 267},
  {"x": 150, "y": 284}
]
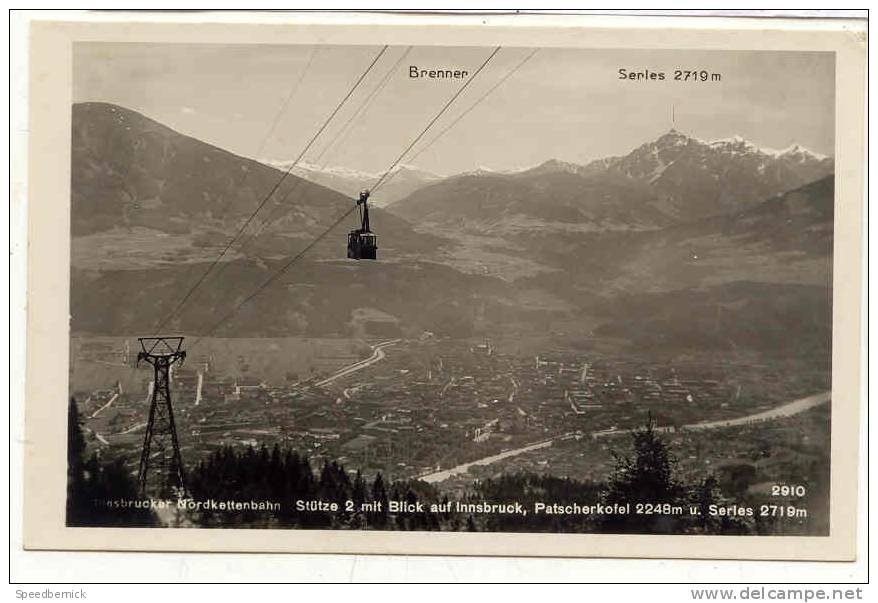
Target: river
[{"x": 787, "y": 409}]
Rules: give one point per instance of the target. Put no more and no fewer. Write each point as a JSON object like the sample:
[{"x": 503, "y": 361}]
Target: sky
[{"x": 267, "y": 102}]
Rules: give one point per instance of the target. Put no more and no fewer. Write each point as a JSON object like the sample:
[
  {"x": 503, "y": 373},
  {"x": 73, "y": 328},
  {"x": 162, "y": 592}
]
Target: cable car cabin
[
  {"x": 362, "y": 245},
  {"x": 362, "y": 242}
]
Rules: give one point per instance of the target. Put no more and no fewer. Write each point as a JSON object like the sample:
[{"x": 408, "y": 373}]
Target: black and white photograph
[
  {"x": 451, "y": 289},
  {"x": 481, "y": 289}
]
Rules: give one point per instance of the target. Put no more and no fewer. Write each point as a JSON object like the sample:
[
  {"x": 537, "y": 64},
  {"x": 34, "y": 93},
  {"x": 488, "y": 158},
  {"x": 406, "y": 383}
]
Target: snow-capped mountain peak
[
  {"x": 484, "y": 170},
  {"x": 673, "y": 138},
  {"x": 551, "y": 166},
  {"x": 739, "y": 144},
  {"x": 346, "y": 172},
  {"x": 800, "y": 153},
  {"x": 736, "y": 144},
  {"x": 405, "y": 178}
]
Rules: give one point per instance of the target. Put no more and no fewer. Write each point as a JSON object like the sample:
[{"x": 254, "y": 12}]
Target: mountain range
[
  {"x": 704, "y": 244},
  {"x": 673, "y": 178},
  {"x": 401, "y": 181}
]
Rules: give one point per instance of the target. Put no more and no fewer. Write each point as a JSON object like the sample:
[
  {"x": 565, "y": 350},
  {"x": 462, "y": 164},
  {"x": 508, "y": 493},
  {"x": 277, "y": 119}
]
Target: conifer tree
[
  {"x": 647, "y": 477},
  {"x": 92, "y": 484},
  {"x": 76, "y": 495},
  {"x": 378, "y": 519}
]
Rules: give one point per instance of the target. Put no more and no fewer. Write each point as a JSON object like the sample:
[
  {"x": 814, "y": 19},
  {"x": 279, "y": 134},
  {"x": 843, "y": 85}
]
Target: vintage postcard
[{"x": 535, "y": 285}]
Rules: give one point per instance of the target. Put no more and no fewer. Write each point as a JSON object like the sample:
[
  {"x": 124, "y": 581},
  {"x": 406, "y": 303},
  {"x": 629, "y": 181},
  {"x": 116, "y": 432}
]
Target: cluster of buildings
[{"x": 427, "y": 405}]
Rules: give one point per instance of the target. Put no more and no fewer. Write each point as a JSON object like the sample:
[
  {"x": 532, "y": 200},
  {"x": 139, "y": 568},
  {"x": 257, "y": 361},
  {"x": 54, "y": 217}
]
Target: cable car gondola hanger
[{"x": 362, "y": 242}]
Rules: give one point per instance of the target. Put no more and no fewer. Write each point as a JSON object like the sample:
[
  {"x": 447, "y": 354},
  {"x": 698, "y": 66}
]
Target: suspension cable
[
  {"x": 381, "y": 180},
  {"x": 271, "y": 218},
  {"x": 342, "y": 217},
  {"x": 276, "y": 275},
  {"x": 283, "y": 108},
  {"x": 271, "y": 193},
  {"x": 473, "y": 106},
  {"x": 364, "y": 106},
  {"x": 361, "y": 110}
]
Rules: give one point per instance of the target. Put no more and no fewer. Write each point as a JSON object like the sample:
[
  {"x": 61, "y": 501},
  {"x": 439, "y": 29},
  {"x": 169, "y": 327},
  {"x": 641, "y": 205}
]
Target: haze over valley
[{"x": 701, "y": 243}]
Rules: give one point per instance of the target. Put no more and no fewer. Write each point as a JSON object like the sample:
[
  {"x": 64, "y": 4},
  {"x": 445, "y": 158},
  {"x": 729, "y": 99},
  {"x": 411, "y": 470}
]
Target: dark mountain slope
[
  {"x": 152, "y": 209},
  {"x": 594, "y": 248},
  {"x": 760, "y": 279},
  {"x": 129, "y": 171},
  {"x": 672, "y": 179},
  {"x": 488, "y": 203}
]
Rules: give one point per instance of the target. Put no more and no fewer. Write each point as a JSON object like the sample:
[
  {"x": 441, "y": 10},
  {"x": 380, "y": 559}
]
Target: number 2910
[{"x": 788, "y": 490}]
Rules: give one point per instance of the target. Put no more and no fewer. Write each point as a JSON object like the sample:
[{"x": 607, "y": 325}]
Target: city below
[{"x": 448, "y": 411}]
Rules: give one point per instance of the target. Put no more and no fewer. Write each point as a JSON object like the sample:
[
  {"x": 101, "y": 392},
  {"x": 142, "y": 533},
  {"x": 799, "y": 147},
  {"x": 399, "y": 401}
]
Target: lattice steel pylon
[{"x": 161, "y": 469}]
